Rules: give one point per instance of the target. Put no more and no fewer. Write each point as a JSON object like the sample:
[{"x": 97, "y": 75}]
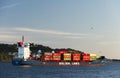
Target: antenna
[{"x": 22, "y": 38}]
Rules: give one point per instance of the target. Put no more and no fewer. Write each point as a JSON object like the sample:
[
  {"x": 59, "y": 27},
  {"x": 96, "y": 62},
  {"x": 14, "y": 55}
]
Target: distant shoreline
[
  {"x": 6, "y": 61},
  {"x": 115, "y": 59}
]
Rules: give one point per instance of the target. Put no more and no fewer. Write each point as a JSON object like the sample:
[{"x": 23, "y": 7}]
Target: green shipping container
[
  {"x": 92, "y": 58},
  {"x": 67, "y": 57}
]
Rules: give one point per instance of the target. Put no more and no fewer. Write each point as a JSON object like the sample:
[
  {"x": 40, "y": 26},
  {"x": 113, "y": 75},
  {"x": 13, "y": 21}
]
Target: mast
[{"x": 22, "y": 38}]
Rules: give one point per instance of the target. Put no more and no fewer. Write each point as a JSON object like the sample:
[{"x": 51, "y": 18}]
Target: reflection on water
[{"x": 25, "y": 66}]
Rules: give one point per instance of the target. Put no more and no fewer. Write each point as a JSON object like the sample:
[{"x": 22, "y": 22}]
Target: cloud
[
  {"x": 6, "y": 37},
  {"x": 76, "y": 37},
  {"x": 13, "y": 33},
  {"x": 50, "y": 32},
  {"x": 7, "y": 34},
  {"x": 9, "y": 6},
  {"x": 109, "y": 43}
]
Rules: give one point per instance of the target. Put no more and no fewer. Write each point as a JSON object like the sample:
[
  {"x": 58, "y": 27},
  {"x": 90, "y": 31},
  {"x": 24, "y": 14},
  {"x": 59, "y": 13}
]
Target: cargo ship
[{"x": 59, "y": 58}]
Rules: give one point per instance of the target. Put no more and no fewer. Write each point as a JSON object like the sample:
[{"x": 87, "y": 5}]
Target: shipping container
[
  {"x": 76, "y": 57},
  {"x": 67, "y": 56},
  {"x": 47, "y": 53},
  {"x": 86, "y": 57},
  {"x": 47, "y": 59},
  {"x": 97, "y": 56},
  {"x": 56, "y": 56},
  {"x": 93, "y": 57},
  {"x": 62, "y": 51},
  {"x": 47, "y": 56}
]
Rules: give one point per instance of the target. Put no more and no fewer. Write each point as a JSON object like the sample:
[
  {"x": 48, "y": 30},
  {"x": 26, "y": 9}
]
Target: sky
[{"x": 91, "y": 26}]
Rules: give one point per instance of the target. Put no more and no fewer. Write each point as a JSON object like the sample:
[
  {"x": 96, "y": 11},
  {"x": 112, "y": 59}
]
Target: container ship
[{"x": 58, "y": 58}]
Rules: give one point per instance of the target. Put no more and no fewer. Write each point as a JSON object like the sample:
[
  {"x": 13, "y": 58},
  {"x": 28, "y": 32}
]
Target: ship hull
[{"x": 41, "y": 63}]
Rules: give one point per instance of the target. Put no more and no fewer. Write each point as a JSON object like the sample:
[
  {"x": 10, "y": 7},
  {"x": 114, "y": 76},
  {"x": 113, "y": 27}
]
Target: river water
[{"x": 110, "y": 70}]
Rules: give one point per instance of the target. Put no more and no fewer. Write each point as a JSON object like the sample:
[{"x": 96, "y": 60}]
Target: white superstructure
[{"x": 23, "y": 50}]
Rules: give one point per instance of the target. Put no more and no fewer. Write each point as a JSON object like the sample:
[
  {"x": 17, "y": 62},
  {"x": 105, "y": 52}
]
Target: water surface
[{"x": 111, "y": 70}]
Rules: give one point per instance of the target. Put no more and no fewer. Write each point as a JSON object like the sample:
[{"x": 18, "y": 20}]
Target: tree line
[{"x": 5, "y": 49}]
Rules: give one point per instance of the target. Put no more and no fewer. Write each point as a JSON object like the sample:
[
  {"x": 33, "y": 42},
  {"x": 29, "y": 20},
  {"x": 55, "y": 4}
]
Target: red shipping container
[
  {"x": 56, "y": 59},
  {"x": 76, "y": 57},
  {"x": 62, "y": 51},
  {"x": 86, "y": 57},
  {"x": 47, "y": 56},
  {"x": 56, "y": 56}
]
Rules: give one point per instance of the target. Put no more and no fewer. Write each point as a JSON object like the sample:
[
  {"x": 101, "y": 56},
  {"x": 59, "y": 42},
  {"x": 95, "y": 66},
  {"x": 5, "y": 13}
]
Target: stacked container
[
  {"x": 86, "y": 57},
  {"x": 62, "y": 51},
  {"x": 67, "y": 56},
  {"x": 47, "y": 56},
  {"x": 56, "y": 56},
  {"x": 76, "y": 57},
  {"x": 93, "y": 57}
]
